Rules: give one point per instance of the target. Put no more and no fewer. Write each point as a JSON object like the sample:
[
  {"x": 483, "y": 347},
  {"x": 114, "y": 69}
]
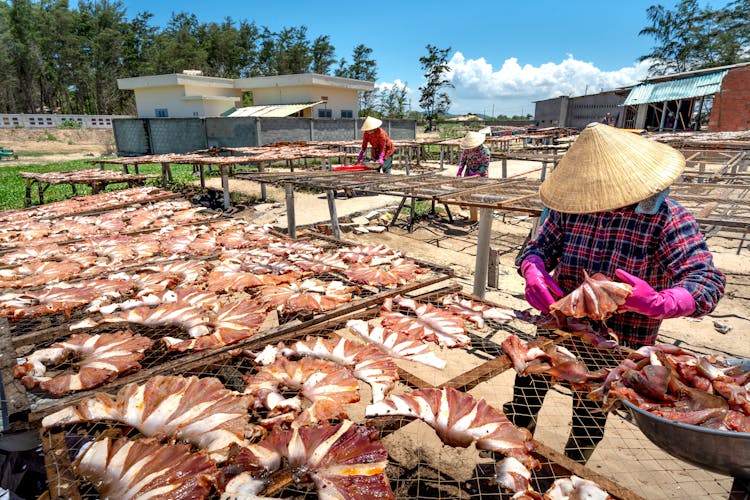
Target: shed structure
[{"x": 714, "y": 97}]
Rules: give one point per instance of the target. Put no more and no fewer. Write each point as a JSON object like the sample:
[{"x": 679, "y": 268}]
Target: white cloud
[
  {"x": 511, "y": 89},
  {"x": 389, "y": 85}
]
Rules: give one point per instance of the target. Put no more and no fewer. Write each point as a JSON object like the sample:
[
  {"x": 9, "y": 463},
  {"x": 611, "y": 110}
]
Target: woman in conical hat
[
  {"x": 382, "y": 147},
  {"x": 475, "y": 158},
  {"x": 610, "y": 213}
]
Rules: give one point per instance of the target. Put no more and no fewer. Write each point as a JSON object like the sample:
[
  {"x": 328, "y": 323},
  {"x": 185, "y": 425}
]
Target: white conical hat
[
  {"x": 371, "y": 123},
  {"x": 472, "y": 140},
  {"x": 607, "y": 168}
]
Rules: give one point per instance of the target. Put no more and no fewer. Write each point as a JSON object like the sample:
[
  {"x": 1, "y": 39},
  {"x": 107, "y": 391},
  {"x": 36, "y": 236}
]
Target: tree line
[
  {"x": 690, "y": 37},
  {"x": 56, "y": 58}
]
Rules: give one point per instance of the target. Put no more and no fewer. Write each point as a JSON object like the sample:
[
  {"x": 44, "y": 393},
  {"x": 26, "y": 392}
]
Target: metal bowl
[{"x": 723, "y": 452}]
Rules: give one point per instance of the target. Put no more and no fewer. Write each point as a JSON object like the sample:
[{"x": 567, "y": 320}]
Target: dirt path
[{"x": 44, "y": 146}]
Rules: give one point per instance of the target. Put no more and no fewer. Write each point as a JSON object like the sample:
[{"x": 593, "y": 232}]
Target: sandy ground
[{"x": 42, "y": 146}]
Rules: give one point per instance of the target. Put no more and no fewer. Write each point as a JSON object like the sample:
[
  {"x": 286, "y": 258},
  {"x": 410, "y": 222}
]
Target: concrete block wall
[
  {"x": 334, "y": 130},
  {"x": 141, "y": 136},
  {"x": 731, "y": 108},
  {"x": 231, "y": 132},
  {"x": 131, "y": 137},
  {"x": 176, "y": 135},
  {"x": 284, "y": 130},
  {"x": 47, "y": 120},
  {"x": 401, "y": 129}
]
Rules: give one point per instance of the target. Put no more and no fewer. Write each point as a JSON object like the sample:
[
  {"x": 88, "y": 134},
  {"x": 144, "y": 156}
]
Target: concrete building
[
  {"x": 716, "y": 97},
  {"x": 192, "y": 95},
  {"x": 579, "y": 111}
]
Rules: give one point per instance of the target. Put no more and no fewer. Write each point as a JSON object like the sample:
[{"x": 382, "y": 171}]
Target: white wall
[
  {"x": 148, "y": 99},
  {"x": 338, "y": 99}
]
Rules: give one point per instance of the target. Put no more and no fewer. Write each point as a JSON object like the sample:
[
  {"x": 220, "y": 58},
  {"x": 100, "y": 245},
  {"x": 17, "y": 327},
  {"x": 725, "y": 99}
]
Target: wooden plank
[
  {"x": 564, "y": 466},
  {"x": 15, "y": 394},
  {"x": 61, "y": 480}
]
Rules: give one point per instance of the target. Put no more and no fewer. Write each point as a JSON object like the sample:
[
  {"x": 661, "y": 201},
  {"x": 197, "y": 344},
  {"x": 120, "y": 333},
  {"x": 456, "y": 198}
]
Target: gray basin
[{"x": 723, "y": 452}]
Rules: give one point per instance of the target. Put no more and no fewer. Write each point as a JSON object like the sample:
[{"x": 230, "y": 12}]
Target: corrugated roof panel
[
  {"x": 684, "y": 88},
  {"x": 273, "y": 111}
]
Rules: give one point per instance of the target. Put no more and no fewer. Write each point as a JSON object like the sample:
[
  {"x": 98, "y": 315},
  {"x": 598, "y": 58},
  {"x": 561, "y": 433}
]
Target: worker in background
[
  {"x": 609, "y": 212},
  {"x": 475, "y": 160},
  {"x": 382, "y": 146},
  {"x": 608, "y": 119}
]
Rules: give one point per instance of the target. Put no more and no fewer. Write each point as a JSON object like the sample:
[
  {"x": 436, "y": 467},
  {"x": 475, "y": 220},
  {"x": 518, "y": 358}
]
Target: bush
[
  {"x": 46, "y": 136},
  {"x": 70, "y": 124}
]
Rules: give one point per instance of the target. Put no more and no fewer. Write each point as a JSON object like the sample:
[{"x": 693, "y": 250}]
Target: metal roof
[
  {"x": 684, "y": 88},
  {"x": 273, "y": 110}
]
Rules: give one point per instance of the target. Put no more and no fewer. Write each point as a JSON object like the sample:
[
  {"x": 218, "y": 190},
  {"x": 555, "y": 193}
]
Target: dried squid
[
  {"x": 596, "y": 298},
  {"x": 100, "y": 359},
  {"x": 144, "y": 468},
  {"x": 345, "y": 461},
  {"x": 459, "y": 420},
  {"x": 199, "y": 410}
]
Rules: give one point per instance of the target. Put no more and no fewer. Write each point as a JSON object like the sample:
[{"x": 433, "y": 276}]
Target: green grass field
[{"x": 13, "y": 186}]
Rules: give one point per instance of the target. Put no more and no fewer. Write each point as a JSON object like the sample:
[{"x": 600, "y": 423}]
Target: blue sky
[{"x": 505, "y": 54}]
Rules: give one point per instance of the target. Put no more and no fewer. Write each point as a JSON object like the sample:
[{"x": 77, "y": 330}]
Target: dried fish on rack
[
  {"x": 311, "y": 295},
  {"x": 459, "y": 420},
  {"x": 328, "y": 385},
  {"x": 199, "y": 410},
  {"x": 144, "y": 468},
  {"x": 431, "y": 323},
  {"x": 343, "y": 460},
  {"x": 99, "y": 359},
  {"x": 395, "y": 272},
  {"x": 397, "y": 344},
  {"x": 366, "y": 362},
  {"x": 476, "y": 312}
]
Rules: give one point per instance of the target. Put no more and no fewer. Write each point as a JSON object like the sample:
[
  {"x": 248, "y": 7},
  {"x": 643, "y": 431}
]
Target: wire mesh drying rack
[{"x": 419, "y": 465}]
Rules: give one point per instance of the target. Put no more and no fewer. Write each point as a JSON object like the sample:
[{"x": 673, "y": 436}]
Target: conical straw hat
[
  {"x": 371, "y": 123},
  {"x": 472, "y": 140},
  {"x": 608, "y": 168}
]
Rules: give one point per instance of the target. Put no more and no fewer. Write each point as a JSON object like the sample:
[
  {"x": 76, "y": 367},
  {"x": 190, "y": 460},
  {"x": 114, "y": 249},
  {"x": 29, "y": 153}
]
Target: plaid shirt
[
  {"x": 666, "y": 250},
  {"x": 380, "y": 142}
]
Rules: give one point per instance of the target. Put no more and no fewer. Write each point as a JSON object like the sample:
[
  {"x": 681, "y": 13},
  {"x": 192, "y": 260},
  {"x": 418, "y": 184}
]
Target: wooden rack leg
[
  {"x": 203, "y": 176},
  {"x": 164, "y": 175},
  {"x": 225, "y": 186},
  {"x": 27, "y": 200},
  {"x": 412, "y": 209},
  {"x": 262, "y": 169},
  {"x": 398, "y": 211},
  {"x": 448, "y": 212},
  {"x": 331, "y": 194},
  {"x": 290, "y": 218},
  {"x": 483, "y": 252}
]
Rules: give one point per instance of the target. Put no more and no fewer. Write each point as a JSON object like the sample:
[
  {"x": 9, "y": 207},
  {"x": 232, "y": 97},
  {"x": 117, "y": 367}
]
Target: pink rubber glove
[
  {"x": 669, "y": 303},
  {"x": 361, "y": 155},
  {"x": 381, "y": 159},
  {"x": 539, "y": 284}
]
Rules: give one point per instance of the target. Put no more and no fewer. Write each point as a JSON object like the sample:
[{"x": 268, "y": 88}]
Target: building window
[
  {"x": 347, "y": 113},
  {"x": 161, "y": 112},
  {"x": 325, "y": 113}
]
